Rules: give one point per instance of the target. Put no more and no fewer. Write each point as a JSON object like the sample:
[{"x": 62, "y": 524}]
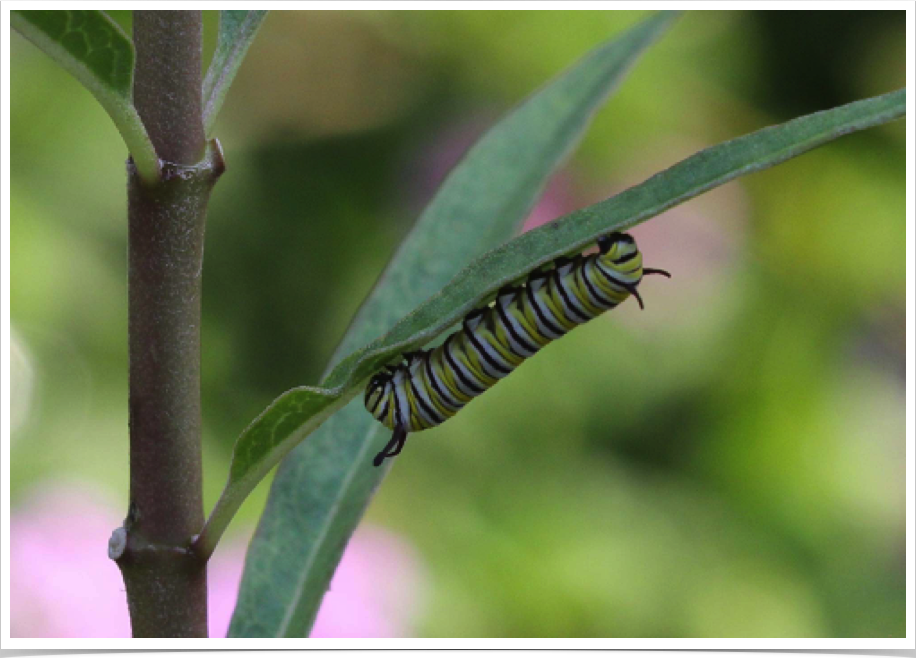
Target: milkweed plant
[{"x": 459, "y": 264}]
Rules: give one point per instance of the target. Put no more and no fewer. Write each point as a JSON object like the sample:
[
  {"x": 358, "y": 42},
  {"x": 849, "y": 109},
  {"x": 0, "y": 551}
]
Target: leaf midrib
[{"x": 310, "y": 560}]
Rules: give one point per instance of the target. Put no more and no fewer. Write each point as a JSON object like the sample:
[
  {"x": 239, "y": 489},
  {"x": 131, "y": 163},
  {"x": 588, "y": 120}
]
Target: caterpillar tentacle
[
  {"x": 431, "y": 386},
  {"x": 393, "y": 447}
]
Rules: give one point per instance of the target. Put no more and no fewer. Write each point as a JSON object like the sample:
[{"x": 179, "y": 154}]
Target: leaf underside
[
  {"x": 299, "y": 501},
  {"x": 89, "y": 40},
  {"x": 323, "y": 487}
]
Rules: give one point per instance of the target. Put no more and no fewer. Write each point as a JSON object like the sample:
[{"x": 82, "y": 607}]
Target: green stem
[{"x": 138, "y": 143}]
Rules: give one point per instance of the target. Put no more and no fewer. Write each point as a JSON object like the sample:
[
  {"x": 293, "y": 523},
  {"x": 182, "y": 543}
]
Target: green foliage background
[{"x": 729, "y": 462}]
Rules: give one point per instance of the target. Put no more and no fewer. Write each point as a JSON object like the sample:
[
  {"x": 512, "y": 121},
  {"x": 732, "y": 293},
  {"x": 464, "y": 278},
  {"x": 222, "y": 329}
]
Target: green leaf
[
  {"x": 237, "y": 30},
  {"x": 322, "y": 489},
  {"x": 480, "y": 204},
  {"x": 572, "y": 233},
  {"x": 93, "y": 48}
]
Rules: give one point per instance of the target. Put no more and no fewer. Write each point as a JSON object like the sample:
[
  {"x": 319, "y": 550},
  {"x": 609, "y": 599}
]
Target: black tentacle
[
  {"x": 496, "y": 336},
  {"x": 393, "y": 447}
]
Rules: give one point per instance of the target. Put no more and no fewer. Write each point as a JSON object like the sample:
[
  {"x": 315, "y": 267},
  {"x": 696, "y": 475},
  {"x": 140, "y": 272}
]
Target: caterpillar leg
[{"x": 393, "y": 447}]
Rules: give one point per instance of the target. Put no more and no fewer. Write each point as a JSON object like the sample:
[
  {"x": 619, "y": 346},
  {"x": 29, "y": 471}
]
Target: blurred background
[{"x": 728, "y": 462}]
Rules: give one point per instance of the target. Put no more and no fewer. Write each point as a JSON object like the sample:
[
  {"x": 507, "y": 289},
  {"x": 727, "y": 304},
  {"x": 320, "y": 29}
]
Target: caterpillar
[{"x": 431, "y": 386}]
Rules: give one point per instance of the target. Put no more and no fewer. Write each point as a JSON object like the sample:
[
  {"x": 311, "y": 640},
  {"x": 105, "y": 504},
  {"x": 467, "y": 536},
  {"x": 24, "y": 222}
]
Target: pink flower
[
  {"x": 445, "y": 150},
  {"x": 62, "y": 583},
  {"x": 375, "y": 591}
]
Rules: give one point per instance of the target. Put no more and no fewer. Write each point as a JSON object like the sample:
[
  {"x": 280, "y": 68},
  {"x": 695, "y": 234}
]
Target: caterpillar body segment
[{"x": 431, "y": 386}]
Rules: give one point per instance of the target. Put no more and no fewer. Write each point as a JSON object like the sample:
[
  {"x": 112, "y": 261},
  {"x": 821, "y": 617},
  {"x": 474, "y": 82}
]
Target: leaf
[
  {"x": 323, "y": 488},
  {"x": 93, "y": 49},
  {"x": 480, "y": 204},
  {"x": 572, "y": 233},
  {"x": 237, "y": 30}
]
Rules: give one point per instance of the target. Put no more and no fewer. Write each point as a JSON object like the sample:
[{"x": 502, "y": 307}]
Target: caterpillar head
[{"x": 619, "y": 251}]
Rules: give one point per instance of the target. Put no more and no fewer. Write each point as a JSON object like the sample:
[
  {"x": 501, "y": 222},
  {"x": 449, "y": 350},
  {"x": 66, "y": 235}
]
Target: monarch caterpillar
[{"x": 433, "y": 385}]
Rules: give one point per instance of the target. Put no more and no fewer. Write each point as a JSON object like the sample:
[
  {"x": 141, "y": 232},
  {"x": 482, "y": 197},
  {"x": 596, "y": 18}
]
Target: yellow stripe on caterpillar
[{"x": 433, "y": 385}]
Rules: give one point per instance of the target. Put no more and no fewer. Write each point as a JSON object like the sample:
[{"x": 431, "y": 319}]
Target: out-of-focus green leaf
[
  {"x": 572, "y": 233},
  {"x": 96, "y": 51},
  {"x": 318, "y": 497},
  {"x": 480, "y": 204},
  {"x": 237, "y": 30}
]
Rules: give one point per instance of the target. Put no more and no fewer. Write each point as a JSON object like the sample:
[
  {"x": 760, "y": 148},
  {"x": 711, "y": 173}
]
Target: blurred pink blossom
[
  {"x": 375, "y": 592},
  {"x": 558, "y": 199},
  {"x": 429, "y": 168},
  {"x": 62, "y": 583}
]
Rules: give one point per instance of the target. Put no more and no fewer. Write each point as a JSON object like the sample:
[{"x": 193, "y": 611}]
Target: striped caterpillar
[{"x": 431, "y": 386}]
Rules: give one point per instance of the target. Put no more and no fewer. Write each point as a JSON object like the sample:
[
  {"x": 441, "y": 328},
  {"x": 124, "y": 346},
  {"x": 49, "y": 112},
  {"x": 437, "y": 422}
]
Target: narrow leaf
[
  {"x": 237, "y": 30},
  {"x": 481, "y": 203},
  {"x": 96, "y": 51},
  {"x": 572, "y": 233},
  {"x": 318, "y": 496}
]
